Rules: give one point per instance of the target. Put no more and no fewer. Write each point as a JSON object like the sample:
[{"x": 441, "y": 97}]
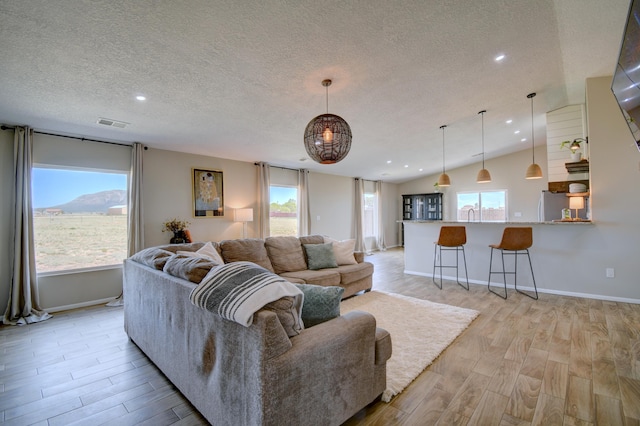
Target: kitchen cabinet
[{"x": 422, "y": 206}]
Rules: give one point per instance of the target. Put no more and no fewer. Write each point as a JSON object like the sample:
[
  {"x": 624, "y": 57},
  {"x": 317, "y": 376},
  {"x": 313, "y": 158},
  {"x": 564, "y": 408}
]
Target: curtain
[
  {"x": 264, "y": 183},
  {"x": 379, "y": 223},
  {"x": 135, "y": 229},
  {"x": 358, "y": 210},
  {"x": 24, "y": 302},
  {"x": 304, "y": 214}
]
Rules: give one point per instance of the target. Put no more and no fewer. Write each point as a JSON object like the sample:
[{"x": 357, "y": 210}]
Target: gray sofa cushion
[
  {"x": 320, "y": 256},
  {"x": 285, "y": 253},
  {"x": 248, "y": 249},
  {"x": 320, "y": 303},
  {"x": 153, "y": 257},
  {"x": 188, "y": 268}
]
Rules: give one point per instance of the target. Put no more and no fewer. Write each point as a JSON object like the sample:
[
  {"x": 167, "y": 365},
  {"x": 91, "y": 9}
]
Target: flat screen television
[{"x": 626, "y": 79}]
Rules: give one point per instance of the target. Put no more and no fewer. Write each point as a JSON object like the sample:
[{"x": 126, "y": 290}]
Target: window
[
  {"x": 79, "y": 218},
  {"x": 483, "y": 206},
  {"x": 283, "y": 210},
  {"x": 369, "y": 225}
]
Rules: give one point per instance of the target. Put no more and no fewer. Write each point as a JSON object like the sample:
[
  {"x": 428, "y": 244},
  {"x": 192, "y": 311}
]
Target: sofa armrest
[
  {"x": 359, "y": 255},
  {"x": 329, "y": 373},
  {"x": 383, "y": 346}
]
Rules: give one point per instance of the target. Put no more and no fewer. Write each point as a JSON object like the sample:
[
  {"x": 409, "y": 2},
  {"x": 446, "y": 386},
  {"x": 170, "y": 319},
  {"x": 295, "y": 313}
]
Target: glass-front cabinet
[{"x": 422, "y": 206}]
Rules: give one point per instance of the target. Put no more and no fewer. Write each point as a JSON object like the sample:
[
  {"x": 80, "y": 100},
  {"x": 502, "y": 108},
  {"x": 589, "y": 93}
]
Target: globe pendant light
[
  {"x": 533, "y": 171},
  {"x": 443, "y": 180},
  {"x": 483, "y": 175},
  {"x": 327, "y": 138}
]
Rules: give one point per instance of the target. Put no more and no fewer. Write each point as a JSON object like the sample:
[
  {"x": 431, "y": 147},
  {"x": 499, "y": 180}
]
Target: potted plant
[
  {"x": 178, "y": 227},
  {"x": 574, "y": 146},
  {"x": 436, "y": 187}
]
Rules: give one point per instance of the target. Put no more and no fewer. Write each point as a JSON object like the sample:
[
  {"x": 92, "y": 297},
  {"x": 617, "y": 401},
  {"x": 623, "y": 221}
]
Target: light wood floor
[{"x": 555, "y": 361}]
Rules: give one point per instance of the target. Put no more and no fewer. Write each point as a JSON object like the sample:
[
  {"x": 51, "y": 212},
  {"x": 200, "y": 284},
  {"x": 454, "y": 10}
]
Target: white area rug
[{"x": 420, "y": 330}]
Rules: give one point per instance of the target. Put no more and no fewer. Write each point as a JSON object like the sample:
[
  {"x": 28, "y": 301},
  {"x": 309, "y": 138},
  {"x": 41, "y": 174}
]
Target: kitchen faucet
[{"x": 469, "y": 214}]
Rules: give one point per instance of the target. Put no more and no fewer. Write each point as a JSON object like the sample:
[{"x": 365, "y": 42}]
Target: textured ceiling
[{"x": 240, "y": 80}]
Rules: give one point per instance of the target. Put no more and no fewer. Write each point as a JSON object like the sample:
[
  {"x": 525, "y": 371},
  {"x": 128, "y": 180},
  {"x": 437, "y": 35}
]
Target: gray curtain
[
  {"x": 24, "y": 304},
  {"x": 135, "y": 229},
  {"x": 264, "y": 183},
  {"x": 358, "y": 210},
  {"x": 304, "y": 215},
  {"x": 379, "y": 222}
]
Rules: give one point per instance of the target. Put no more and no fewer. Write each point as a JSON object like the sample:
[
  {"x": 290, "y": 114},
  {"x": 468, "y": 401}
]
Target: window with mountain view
[{"x": 79, "y": 218}]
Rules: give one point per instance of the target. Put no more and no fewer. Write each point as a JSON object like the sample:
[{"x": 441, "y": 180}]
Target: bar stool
[
  {"x": 451, "y": 238},
  {"x": 515, "y": 242}
]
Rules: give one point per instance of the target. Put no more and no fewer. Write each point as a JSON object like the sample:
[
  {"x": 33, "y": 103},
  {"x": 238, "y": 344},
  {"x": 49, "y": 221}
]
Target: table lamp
[
  {"x": 576, "y": 203},
  {"x": 244, "y": 216}
]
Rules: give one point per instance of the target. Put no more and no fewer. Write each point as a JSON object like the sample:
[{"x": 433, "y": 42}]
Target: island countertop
[{"x": 462, "y": 222}]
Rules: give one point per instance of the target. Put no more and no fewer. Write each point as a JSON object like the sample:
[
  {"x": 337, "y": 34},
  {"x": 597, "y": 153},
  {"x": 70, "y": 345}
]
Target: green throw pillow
[
  {"x": 321, "y": 303},
  {"x": 320, "y": 256}
]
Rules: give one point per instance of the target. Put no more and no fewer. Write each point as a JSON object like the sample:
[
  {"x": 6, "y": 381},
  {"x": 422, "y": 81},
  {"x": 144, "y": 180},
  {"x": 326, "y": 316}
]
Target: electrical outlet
[
  {"x": 610, "y": 272},
  {"x": 517, "y": 214}
]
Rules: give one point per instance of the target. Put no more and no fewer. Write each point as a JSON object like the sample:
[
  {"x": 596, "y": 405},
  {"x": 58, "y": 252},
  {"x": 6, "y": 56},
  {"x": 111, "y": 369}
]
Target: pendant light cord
[
  {"x": 482, "y": 115},
  {"x": 327, "y": 93},
  {"x": 443, "y": 160},
  {"x": 533, "y": 149}
]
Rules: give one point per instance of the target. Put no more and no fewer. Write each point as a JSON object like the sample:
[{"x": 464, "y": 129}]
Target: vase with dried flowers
[{"x": 178, "y": 227}]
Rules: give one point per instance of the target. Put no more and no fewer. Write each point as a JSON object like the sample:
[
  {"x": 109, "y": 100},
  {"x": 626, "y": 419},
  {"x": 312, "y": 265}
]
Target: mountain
[{"x": 98, "y": 202}]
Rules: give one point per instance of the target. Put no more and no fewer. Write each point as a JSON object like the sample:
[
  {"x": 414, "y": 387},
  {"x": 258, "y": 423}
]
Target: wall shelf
[{"x": 581, "y": 166}]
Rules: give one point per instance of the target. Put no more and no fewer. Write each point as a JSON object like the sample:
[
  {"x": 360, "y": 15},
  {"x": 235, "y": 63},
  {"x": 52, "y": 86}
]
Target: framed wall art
[{"x": 208, "y": 197}]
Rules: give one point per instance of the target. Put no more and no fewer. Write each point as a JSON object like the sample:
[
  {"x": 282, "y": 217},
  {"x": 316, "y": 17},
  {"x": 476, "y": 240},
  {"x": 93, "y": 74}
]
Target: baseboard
[
  {"x": 540, "y": 290},
  {"x": 79, "y": 305}
]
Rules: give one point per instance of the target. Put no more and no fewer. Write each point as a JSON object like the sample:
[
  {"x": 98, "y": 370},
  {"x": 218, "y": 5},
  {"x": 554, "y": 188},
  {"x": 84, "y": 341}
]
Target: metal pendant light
[
  {"x": 483, "y": 175},
  {"x": 327, "y": 138},
  {"x": 443, "y": 180},
  {"x": 533, "y": 171}
]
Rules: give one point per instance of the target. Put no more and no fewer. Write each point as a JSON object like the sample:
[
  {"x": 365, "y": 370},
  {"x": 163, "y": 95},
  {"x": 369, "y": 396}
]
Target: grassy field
[
  {"x": 284, "y": 226},
  {"x": 79, "y": 241},
  {"x": 83, "y": 241}
]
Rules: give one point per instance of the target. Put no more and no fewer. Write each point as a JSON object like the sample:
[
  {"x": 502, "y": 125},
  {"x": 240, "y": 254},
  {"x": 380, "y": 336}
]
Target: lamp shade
[
  {"x": 483, "y": 176},
  {"x": 444, "y": 180},
  {"x": 327, "y": 139},
  {"x": 533, "y": 172},
  {"x": 243, "y": 215},
  {"x": 576, "y": 203}
]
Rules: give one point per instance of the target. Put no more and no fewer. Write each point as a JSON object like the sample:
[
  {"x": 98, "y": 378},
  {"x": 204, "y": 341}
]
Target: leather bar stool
[
  {"x": 451, "y": 238},
  {"x": 515, "y": 242}
]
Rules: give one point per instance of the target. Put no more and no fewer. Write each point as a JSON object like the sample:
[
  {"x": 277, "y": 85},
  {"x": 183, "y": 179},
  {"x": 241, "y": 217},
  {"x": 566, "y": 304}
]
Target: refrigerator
[{"x": 551, "y": 204}]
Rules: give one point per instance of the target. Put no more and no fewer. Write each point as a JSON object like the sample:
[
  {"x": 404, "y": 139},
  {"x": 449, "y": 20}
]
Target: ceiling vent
[{"x": 112, "y": 123}]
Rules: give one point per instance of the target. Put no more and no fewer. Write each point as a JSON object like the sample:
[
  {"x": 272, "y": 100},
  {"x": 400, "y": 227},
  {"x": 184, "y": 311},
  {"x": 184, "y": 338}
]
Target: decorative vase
[
  {"x": 178, "y": 238},
  {"x": 576, "y": 156}
]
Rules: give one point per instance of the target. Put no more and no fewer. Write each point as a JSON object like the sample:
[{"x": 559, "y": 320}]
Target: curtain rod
[
  {"x": 5, "y": 127},
  {"x": 281, "y": 167}
]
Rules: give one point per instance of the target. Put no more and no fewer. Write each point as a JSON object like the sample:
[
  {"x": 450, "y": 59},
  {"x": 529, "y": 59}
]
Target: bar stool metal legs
[
  {"x": 452, "y": 238},
  {"x": 515, "y": 242}
]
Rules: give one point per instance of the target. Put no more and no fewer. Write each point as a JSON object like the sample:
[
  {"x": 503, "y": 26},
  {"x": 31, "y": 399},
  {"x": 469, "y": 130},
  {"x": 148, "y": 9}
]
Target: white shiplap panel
[{"x": 563, "y": 124}]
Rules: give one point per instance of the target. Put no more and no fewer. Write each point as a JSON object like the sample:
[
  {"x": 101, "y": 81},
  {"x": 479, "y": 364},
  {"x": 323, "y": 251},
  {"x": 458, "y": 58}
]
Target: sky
[
  {"x": 282, "y": 194},
  {"x": 51, "y": 187}
]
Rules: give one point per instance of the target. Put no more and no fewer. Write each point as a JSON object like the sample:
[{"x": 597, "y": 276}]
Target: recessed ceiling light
[
  {"x": 141, "y": 98},
  {"x": 406, "y": 165},
  {"x": 499, "y": 58},
  {"x": 509, "y": 121},
  {"x": 388, "y": 161},
  {"x": 523, "y": 140},
  {"x": 516, "y": 132},
  {"x": 419, "y": 170}
]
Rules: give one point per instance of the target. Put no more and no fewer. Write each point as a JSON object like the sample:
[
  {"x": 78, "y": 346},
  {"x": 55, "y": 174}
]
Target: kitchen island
[{"x": 555, "y": 263}]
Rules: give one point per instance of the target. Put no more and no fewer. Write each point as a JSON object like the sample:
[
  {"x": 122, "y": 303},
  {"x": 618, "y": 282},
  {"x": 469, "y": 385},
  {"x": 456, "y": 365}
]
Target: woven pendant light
[
  {"x": 443, "y": 179},
  {"x": 327, "y": 138},
  {"x": 533, "y": 171},
  {"x": 483, "y": 175}
]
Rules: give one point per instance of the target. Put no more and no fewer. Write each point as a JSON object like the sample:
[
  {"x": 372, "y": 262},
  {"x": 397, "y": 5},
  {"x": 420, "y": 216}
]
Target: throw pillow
[
  {"x": 207, "y": 250},
  {"x": 188, "y": 267},
  {"x": 153, "y": 257},
  {"x": 343, "y": 250},
  {"x": 321, "y": 303},
  {"x": 320, "y": 256},
  {"x": 287, "y": 312}
]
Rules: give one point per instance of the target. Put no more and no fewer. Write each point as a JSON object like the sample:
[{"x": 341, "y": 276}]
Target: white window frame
[
  {"x": 478, "y": 212},
  {"x": 297, "y": 190}
]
